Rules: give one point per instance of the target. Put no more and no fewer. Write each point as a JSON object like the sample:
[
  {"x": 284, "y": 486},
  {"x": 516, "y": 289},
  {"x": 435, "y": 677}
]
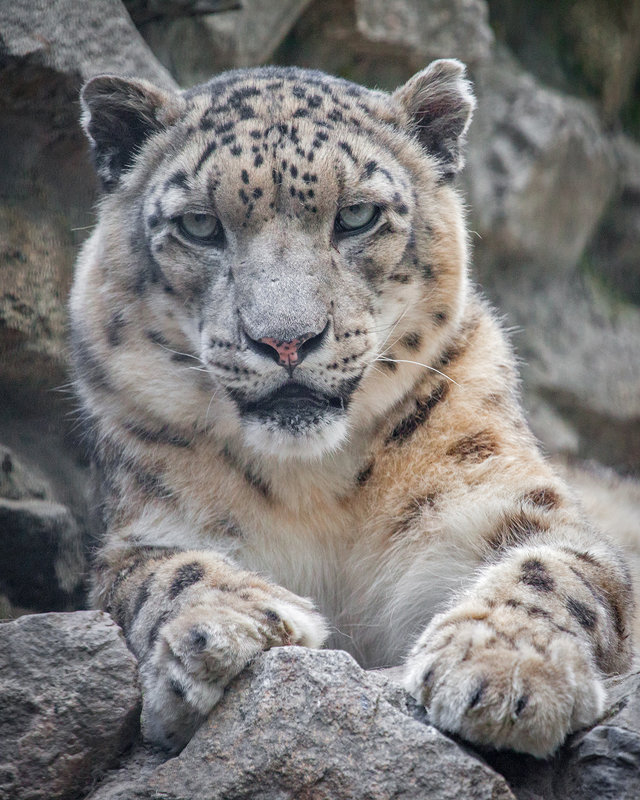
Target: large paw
[
  {"x": 207, "y": 643},
  {"x": 504, "y": 677}
]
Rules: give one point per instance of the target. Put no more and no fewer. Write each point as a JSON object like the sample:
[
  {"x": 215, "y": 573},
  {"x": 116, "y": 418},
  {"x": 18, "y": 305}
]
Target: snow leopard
[{"x": 305, "y": 419}]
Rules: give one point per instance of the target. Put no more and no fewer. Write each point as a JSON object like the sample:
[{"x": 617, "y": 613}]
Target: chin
[
  {"x": 294, "y": 422},
  {"x": 302, "y": 441}
]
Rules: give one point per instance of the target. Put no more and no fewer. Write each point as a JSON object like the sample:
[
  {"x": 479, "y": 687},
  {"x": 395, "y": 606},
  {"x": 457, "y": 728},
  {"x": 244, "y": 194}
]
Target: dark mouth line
[{"x": 292, "y": 397}]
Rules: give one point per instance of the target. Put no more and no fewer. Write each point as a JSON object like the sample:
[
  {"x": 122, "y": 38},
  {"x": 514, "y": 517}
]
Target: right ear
[{"x": 118, "y": 115}]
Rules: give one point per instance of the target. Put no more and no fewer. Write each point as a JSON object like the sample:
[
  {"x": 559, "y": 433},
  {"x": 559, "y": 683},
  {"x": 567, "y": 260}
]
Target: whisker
[
  {"x": 417, "y": 363},
  {"x": 206, "y": 416},
  {"x": 178, "y": 353},
  {"x": 393, "y": 327}
]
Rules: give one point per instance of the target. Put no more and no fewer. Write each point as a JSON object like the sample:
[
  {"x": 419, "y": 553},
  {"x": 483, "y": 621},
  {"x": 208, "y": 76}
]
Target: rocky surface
[
  {"x": 43, "y": 566},
  {"x": 196, "y": 47},
  {"x": 48, "y": 48},
  {"x": 305, "y": 724},
  {"x": 296, "y": 723},
  {"x": 613, "y": 250},
  {"x": 69, "y": 703},
  {"x": 382, "y": 44},
  {"x": 539, "y": 174}
]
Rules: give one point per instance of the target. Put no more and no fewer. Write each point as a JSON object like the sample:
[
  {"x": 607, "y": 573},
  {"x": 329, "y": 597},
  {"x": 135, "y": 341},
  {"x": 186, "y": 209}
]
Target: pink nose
[{"x": 287, "y": 349}]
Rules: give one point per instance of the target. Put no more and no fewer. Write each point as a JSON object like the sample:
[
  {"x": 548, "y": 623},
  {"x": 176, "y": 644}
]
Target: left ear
[
  {"x": 118, "y": 116},
  {"x": 439, "y": 103}
]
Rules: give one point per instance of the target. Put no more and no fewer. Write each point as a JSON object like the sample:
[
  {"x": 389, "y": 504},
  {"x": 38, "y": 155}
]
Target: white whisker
[
  {"x": 417, "y": 363},
  {"x": 178, "y": 353}
]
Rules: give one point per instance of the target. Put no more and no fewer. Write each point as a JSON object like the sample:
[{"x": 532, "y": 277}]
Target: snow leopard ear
[
  {"x": 439, "y": 102},
  {"x": 118, "y": 115}
]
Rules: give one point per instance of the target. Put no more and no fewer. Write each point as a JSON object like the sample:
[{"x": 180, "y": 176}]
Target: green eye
[
  {"x": 201, "y": 227},
  {"x": 357, "y": 218}
]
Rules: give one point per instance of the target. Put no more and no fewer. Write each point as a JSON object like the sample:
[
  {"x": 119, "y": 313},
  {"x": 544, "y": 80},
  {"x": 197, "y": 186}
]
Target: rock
[
  {"x": 76, "y": 39},
  {"x": 380, "y": 43},
  {"x": 539, "y": 172},
  {"x": 580, "y": 358},
  {"x": 613, "y": 252},
  {"x": 16, "y": 481},
  {"x": 69, "y": 703},
  {"x": 195, "y": 48},
  {"x": 589, "y": 48},
  {"x": 605, "y": 764},
  {"x": 431, "y": 29},
  {"x": 142, "y": 11},
  {"x": 301, "y": 723},
  {"x": 43, "y": 564},
  {"x": 47, "y": 50}
]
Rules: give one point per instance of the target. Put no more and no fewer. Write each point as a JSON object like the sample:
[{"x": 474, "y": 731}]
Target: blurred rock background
[{"x": 552, "y": 181}]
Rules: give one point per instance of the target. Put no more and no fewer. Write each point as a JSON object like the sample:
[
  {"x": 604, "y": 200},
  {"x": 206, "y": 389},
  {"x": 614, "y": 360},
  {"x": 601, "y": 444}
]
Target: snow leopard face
[{"x": 290, "y": 234}]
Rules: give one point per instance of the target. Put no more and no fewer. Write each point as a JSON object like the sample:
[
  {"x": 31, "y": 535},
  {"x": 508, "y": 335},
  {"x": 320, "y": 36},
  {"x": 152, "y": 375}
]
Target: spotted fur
[{"x": 284, "y": 407}]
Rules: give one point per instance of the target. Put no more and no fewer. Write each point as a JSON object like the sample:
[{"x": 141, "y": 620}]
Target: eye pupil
[{"x": 357, "y": 218}]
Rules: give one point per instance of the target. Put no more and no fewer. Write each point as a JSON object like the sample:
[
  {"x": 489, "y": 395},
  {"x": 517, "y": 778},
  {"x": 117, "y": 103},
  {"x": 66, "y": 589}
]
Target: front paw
[
  {"x": 504, "y": 677},
  {"x": 210, "y": 641}
]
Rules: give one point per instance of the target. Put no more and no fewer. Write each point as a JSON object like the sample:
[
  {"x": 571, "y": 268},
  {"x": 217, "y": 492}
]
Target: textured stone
[
  {"x": 43, "y": 516},
  {"x": 450, "y": 27},
  {"x": 195, "y": 48},
  {"x": 69, "y": 703},
  {"x": 16, "y": 481},
  {"x": 76, "y": 38},
  {"x": 42, "y": 565},
  {"x": 142, "y": 11},
  {"x": 580, "y": 359},
  {"x": 539, "y": 172},
  {"x": 613, "y": 251},
  {"x": 307, "y": 724},
  {"x": 380, "y": 43},
  {"x": 47, "y": 187}
]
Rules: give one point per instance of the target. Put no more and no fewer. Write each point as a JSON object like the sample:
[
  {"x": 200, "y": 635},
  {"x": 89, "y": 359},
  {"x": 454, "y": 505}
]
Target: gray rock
[
  {"x": 43, "y": 519},
  {"x": 604, "y": 765},
  {"x": 69, "y": 703},
  {"x": 42, "y": 565},
  {"x": 77, "y": 39},
  {"x": 195, "y": 48},
  {"x": 16, "y": 481},
  {"x": 48, "y": 48},
  {"x": 539, "y": 172},
  {"x": 301, "y": 723},
  {"x": 431, "y": 29},
  {"x": 142, "y": 11},
  {"x": 581, "y": 362},
  {"x": 613, "y": 251},
  {"x": 380, "y": 43}
]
